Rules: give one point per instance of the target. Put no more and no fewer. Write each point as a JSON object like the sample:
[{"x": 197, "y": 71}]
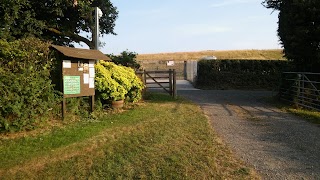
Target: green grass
[
  {"x": 159, "y": 139},
  {"x": 311, "y": 116},
  {"x": 308, "y": 115}
]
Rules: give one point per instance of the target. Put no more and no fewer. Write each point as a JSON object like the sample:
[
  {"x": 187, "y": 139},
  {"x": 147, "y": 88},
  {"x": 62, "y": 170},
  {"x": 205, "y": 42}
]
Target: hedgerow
[
  {"x": 116, "y": 82},
  {"x": 240, "y": 74},
  {"x": 27, "y": 93}
]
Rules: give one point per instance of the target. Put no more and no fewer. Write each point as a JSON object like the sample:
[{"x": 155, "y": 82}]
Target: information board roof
[{"x": 81, "y": 53}]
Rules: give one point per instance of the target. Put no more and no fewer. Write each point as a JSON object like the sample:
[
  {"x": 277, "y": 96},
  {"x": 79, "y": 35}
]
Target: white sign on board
[
  {"x": 85, "y": 78},
  {"x": 170, "y": 63},
  {"x": 91, "y": 72},
  {"x": 91, "y": 82},
  {"x": 66, "y": 64}
]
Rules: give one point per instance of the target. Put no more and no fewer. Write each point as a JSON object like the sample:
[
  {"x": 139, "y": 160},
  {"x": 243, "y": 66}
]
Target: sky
[{"x": 158, "y": 26}]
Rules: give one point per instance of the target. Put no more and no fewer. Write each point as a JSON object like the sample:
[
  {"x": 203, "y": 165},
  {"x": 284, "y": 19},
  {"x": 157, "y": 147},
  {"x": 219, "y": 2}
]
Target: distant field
[{"x": 272, "y": 54}]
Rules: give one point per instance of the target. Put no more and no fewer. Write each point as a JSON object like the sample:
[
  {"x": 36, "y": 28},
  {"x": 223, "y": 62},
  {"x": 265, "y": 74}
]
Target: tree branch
[{"x": 75, "y": 37}]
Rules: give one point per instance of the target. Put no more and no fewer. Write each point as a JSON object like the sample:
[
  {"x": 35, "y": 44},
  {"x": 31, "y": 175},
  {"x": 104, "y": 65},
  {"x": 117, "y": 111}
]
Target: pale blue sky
[{"x": 155, "y": 26}]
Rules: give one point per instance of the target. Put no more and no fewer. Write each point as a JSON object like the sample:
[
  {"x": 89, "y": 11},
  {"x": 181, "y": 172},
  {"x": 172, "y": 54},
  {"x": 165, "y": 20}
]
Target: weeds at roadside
[
  {"x": 308, "y": 115},
  {"x": 311, "y": 116}
]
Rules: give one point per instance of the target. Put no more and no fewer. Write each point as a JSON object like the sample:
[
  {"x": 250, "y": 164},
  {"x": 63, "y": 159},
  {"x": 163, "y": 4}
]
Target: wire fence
[{"x": 301, "y": 89}]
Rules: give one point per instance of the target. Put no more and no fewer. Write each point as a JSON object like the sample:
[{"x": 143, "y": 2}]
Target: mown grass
[
  {"x": 160, "y": 139},
  {"x": 272, "y": 54}
]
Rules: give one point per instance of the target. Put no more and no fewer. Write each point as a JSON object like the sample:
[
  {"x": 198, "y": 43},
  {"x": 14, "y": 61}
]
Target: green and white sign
[{"x": 71, "y": 85}]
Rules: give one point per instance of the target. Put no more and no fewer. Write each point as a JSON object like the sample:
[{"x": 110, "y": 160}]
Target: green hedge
[
  {"x": 27, "y": 93},
  {"x": 240, "y": 74}
]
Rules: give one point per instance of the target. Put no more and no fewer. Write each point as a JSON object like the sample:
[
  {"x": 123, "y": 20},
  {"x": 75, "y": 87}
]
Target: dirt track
[{"x": 276, "y": 144}]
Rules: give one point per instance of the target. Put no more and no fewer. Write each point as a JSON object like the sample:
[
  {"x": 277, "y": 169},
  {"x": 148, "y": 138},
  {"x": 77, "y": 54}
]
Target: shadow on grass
[
  {"x": 160, "y": 97},
  {"x": 156, "y": 97}
]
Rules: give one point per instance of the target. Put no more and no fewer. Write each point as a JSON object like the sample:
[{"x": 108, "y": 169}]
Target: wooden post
[
  {"x": 63, "y": 107},
  {"x": 145, "y": 78},
  {"x": 170, "y": 82},
  {"x": 174, "y": 84},
  {"x": 63, "y": 103},
  {"x": 91, "y": 102}
]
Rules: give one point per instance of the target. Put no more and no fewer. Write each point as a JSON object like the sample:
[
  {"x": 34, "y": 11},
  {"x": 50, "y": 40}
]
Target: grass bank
[
  {"x": 269, "y": 54},
  {"x": 159, "y": 139}
]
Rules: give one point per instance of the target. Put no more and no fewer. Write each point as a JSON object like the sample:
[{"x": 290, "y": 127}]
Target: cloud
[
  {"x": 231, "y": 2},
  {"x": 201, "y": 29}
]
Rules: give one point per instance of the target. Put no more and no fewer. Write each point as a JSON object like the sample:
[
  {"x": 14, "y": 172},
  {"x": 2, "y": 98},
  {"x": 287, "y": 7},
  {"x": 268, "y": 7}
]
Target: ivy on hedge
[
  {"x": 27, "y": 93},
  {"x": 240, "y": 74}
]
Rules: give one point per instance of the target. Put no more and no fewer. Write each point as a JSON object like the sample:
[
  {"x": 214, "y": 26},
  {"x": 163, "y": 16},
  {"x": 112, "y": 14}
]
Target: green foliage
[
  {"x": 27, "y": 94},
  {"x": 274, "y": 4},
  {"x": 248, "y": 74},
  {"x": 78, "y": 107},
  {"x": 299, "y": 31},
  {"x": 59, "y": 21},
  {"x": 126, "y": 58},
  {"x": 18, "y": 20},
  {"x": 114, "y": 82}
]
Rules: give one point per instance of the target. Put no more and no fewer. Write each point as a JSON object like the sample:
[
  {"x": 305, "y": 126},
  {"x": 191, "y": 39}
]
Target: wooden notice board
[
  {"x": 77, "y": 72},
  {"x": 78, "y": 78}
]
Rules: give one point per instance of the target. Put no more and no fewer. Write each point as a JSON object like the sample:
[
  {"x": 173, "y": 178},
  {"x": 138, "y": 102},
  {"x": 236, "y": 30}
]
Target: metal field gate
[{"x": 302, "y": 89}]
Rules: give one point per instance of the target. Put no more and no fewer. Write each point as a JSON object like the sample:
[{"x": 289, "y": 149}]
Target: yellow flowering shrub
[{"x": 116, "y": 82}]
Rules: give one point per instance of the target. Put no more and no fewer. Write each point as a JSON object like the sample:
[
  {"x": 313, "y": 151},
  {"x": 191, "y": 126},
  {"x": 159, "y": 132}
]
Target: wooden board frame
[{"x": 77, "y": 66}]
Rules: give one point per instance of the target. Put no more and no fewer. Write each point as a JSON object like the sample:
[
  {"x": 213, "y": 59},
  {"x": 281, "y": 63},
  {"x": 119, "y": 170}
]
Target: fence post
[
  {"x": 174, "y": 84},
  {"x": 281, "y": 85},
  {"x": 299, "y": 90},
  {"x": 170, "y": 82},
  {"x": 302, "y": 88}
]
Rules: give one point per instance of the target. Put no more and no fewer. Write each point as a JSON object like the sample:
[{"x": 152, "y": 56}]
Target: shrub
[
  {"x": 116, "y": 82},
  {"x": 26, "y": 90},
  {"x": 240, "y": 74},
  {"x": 126, "y": 58}
]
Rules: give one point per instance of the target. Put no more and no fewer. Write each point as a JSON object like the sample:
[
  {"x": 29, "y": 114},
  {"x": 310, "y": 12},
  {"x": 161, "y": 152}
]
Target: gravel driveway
[{"x": 276, "y": 144}]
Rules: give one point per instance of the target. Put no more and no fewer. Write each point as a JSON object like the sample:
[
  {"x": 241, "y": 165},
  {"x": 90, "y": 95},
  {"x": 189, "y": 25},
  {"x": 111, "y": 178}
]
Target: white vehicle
[{"x": 208, "y": 58}]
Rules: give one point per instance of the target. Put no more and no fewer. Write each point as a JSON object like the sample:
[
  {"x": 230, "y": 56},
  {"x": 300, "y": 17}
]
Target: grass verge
[
  {"x": 161, "y": 139},
  {"x": 311, "y": 116},
  {"x": 308, "y": 115}
]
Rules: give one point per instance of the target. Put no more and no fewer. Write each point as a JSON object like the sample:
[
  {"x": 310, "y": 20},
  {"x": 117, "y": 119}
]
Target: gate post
[
  {"x": 174, "y": 84},
  {"x": 145, "y": 78},
  {"x": 302, "y": 87},
  {"x": 170, "y": 82}
]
